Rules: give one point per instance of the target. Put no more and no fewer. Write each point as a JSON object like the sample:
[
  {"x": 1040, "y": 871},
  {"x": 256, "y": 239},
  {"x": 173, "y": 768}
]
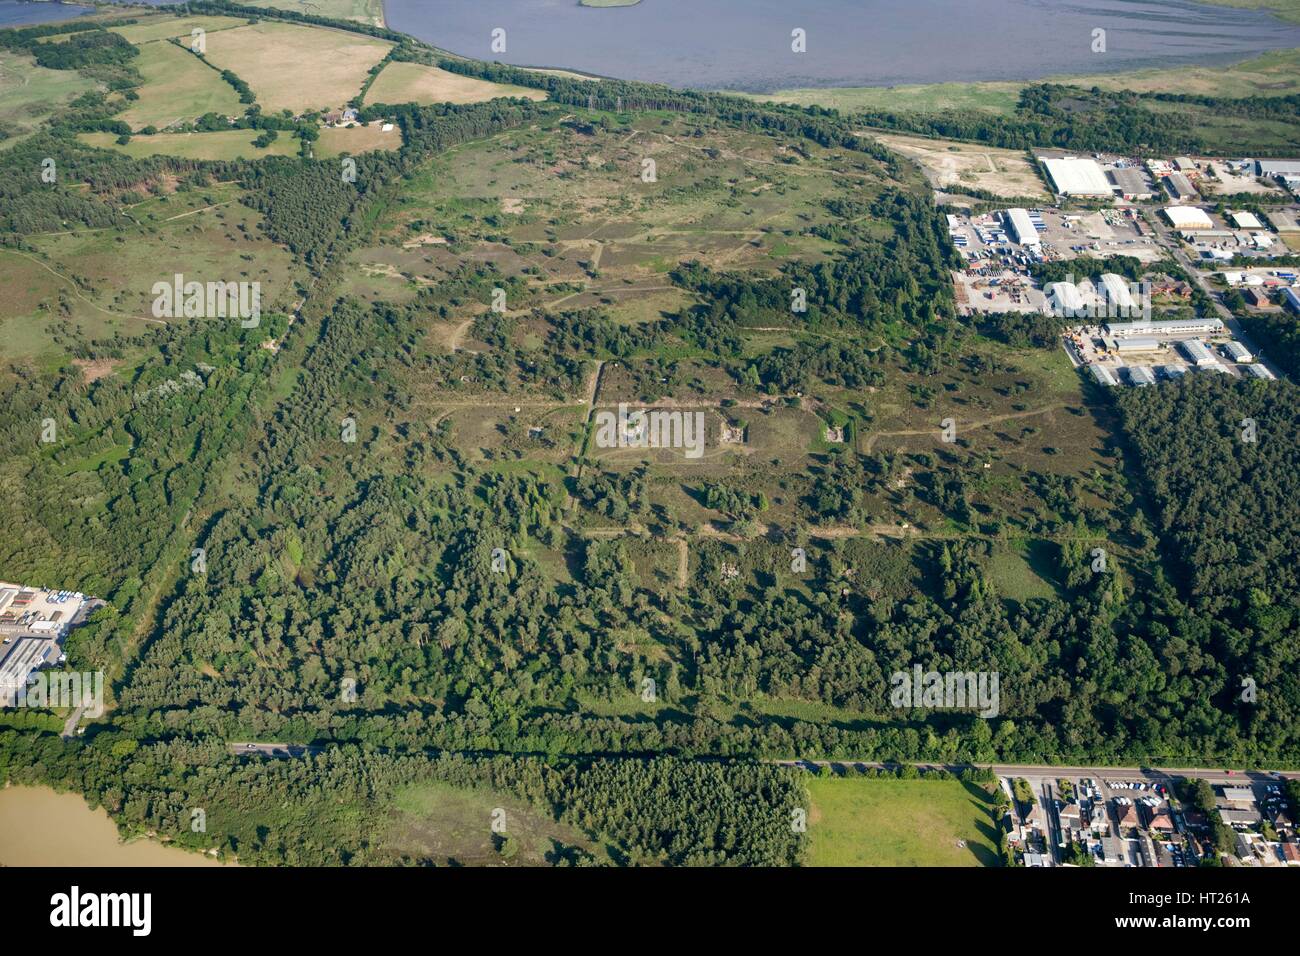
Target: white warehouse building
[
  {"x": 1066, "y": 299},
  {"x": 1078, "y": 177},
  {"x": 1022, "y": 227},
  {"x": 1118, "y": 294}
]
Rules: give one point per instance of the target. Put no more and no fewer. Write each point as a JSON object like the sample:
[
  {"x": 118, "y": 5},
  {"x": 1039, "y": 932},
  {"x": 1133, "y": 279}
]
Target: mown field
[
  {"x": 295, "y": 67},
  {"x": 178, "y": 88},
  {"x": 866, "y": 822},
  {"x": 401, "y": 82}
]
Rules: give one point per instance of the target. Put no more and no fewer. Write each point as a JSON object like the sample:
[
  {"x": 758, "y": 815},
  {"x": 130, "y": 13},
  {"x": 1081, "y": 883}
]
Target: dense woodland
[{"x": 375, "y": 561}]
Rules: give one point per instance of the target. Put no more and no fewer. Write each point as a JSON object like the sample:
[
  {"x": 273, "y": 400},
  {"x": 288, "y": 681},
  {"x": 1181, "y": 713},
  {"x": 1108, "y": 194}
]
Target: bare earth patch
[{"x": 1003, "y": 172}]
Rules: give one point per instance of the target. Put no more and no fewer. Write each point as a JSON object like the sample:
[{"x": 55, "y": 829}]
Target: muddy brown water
[{"x": 42, "y": 827}]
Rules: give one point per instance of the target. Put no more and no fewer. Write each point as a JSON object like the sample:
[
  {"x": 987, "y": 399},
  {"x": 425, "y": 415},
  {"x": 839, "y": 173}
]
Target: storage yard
[{"x": 33, "y": 623}]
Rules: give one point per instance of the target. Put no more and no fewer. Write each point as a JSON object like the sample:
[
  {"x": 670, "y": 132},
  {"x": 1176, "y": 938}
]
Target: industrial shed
[
  {"x": 1187, "y": 217},
  {"x": 1238, "y": 352},
  {"x": 1136, "y": 344},
  {"x": 1067, "y": 300},
  {"x": 1103, "y": 375},
  {"x": 1022, "y": 227},
  {"x": 1141, "y": 375},
  {"x": 1077, "y": 177},
  {"x": 1197, "y": 353},
  {"x": 1117, "y": 293},
  {"x": 1130, "y": 183}
]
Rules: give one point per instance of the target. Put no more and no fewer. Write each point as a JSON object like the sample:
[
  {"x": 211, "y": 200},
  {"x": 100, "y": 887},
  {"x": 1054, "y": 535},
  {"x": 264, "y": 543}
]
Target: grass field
[
  {"x": 1004, "y": 172},
  {"x": 218, "y": 145},
  {"x": 445, "y": 825},
  {"x": 178, "y": 88},
  {"x": 417, "y": 83},
  {"x": 157, "y": 29},
  {"x": 1272, "y": 74},
  {"x": 29, "y": 93},
  {"x": 335, "y": 141},
  {"x": 295, "y": 67},
  {"x": 864, "y": 822}
]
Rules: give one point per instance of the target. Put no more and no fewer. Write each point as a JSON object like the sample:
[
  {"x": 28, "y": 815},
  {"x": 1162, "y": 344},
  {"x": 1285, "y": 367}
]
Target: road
[
  {"x": 247, "y": 749},
  {"x": 1215, "y": 776}
]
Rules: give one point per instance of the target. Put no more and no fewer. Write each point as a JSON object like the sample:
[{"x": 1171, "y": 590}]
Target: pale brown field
[
  {"x": 297, "y": 68},
  {"x": 416, "y": 83}
]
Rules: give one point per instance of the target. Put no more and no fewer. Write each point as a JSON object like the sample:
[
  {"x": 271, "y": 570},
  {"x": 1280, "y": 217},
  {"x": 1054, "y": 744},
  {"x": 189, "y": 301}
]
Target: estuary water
[{"x": 746, "y": 44}]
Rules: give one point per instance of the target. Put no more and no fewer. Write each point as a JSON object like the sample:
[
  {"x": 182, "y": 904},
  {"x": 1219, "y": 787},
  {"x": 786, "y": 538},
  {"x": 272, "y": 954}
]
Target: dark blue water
[
  {"x": 745, "y": 44},
  {"x": 14, "y": 14}
]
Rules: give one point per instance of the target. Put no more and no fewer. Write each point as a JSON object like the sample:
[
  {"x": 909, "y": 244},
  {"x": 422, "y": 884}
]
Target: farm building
[
  {"x": 1077, "y": 177},
  {"x": 1197, "y": 353},
  {"x": 1130, "y": 183},
  {"x": 1238, "y": 352},
  {"x": 1022, "y": 227},
  {"x": 1103, "y": 375},
  {"x": 1187, "y": 217}
]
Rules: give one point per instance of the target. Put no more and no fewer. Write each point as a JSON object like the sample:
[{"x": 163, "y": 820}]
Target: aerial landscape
[{"x": 498, "y": 435}]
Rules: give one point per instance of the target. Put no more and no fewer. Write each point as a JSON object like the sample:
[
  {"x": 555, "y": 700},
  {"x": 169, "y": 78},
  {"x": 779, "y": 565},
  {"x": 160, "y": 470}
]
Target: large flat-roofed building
[
  {"x": 1022, "y": 227},
  {"x": 1291, "y": 300},
  {"x": 1077, "y": 177},
  {"x": 1187, "y": 217},
  {"x": 1165, "y": 327},
  {"x": 1179, "y": 186},
  {"x": 1103, "y": 375},
  {"x": 1130, "y": 183},
  {"x": 1277, "y": 167},
  {"x": 1197, "y": 353}
]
